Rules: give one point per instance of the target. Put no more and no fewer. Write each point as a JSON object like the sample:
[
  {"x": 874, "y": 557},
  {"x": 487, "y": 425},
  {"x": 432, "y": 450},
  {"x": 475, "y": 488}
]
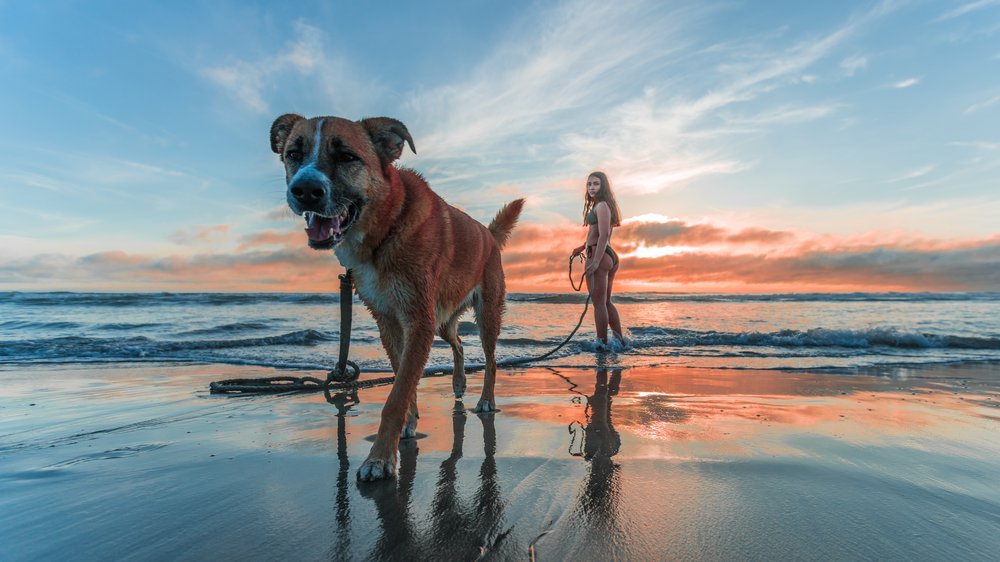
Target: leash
[
  {"x": 345, "y": 376},
  {"x": 440, "y": 371},
  {"x": 571, "y": 283},
  {"x": 346, "y": 301},
  {"x": 583, "y": 315}
]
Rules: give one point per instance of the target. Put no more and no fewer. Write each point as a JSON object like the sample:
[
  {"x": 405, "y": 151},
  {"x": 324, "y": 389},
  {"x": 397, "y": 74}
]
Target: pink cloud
[
  {"x": 716, "y": 258},
  {"x": 271, "y": 238},
  {"x": 200, "y": 235}
]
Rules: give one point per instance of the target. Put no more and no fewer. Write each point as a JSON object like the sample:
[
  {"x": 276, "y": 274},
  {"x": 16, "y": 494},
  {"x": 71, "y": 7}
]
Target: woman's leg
[
  {"x": 598, "y": 286},
  {"x": 613, "y": 319}
]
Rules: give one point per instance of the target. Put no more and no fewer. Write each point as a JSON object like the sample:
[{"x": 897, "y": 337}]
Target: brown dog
[{"x": 418, "y": 263}]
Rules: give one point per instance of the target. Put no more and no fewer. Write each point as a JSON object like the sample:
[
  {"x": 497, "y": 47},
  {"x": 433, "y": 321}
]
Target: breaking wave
[{"x": 816, "y": 337}]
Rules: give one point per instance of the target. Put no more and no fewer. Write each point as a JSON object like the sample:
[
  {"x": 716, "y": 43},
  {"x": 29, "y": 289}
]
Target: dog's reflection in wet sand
[
  {"x": 459, "y": 527},
  {"x": 469, "y": 525}
]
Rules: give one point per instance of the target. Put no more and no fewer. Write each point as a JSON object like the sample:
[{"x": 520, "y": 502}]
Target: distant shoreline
[{"x": 679, "y": 294}]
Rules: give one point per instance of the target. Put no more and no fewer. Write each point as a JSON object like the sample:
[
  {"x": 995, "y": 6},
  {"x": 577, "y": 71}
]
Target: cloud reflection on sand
[
  {"x": 595, "y": 463},
  {"x": 641, "y": 433}
]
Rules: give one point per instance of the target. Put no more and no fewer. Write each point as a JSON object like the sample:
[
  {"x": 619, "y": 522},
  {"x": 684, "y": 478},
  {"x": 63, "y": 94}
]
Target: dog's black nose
[{"x": 308, "y": 192}]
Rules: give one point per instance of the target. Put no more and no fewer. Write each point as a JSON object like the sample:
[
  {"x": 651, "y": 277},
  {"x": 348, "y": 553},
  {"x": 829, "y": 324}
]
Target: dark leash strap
[
  {"x": 341, "y": 375},
  {"x": 578, "y": 324},
  {"x": 346, "y": 301},
  {"x": 572, "y": 284},
  {"x": 345, "y": 376}
]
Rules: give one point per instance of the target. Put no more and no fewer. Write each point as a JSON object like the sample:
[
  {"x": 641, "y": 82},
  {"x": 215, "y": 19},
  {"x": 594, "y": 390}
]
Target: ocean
[{"x": 302, "y": 331}]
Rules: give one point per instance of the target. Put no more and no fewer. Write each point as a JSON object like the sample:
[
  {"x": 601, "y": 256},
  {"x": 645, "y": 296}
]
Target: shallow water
[{"x": 811, "y": 331}]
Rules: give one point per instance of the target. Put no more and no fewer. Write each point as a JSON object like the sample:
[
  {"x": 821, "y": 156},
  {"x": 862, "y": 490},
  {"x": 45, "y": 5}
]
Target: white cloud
[
  {"x": 551, "y": 70},
  {"x": 53, "y": 223},
  {"x": 244, "y": 81},
  {"x": 784, "y": 115},
  {"x": 650, "y": 217},
  {"x": 907, "y": 83},
  {"x": 41, "y": 181},
  {"x": 76, "y": 172},
  {"x": 982, "y": 105},
  {"x": 966, "y": 8},
  {"x": 665, "y": 141},
  {"x": 980, "y": 145},
  {"x": 247, "y": 80},
  {"x": 552, "y": 98},
  {"x": 912, "y": 174},
  {"x": 305, "y": 56},
  {"x": 851, "y": 65}
]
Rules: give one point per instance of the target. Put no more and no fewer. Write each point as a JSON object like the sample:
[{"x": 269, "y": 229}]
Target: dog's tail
[{"x": 505, "y": 221}]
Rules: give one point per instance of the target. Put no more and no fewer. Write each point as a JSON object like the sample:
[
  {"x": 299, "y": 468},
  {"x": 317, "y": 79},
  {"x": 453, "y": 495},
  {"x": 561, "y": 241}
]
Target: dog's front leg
[
  {"x": 391, "y": 332},
  {"x": 381, "y": 461}
]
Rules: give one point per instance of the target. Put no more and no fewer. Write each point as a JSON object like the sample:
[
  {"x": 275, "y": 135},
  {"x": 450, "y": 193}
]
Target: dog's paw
[
  {"x": 376, "y": 469},
  {"x": 408, "y": 432},
  {"x": 486, "y": 407}
]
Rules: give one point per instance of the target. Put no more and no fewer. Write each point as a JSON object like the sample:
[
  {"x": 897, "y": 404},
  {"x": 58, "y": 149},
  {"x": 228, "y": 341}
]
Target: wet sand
[{"x": 103, "y": 462}]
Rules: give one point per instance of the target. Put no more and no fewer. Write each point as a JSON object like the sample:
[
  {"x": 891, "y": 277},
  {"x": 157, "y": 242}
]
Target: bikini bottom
[{"x": 607, "y": 250}]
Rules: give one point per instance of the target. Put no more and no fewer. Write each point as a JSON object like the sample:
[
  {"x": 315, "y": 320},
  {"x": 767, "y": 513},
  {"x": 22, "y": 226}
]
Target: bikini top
[{"x": 592, "y": 214}]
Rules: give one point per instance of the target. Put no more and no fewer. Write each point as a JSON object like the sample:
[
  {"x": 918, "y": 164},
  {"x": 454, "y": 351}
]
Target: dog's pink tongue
[{"x": 322, "y": 228}]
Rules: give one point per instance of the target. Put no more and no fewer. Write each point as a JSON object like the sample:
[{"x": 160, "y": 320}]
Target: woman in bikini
[{"x": 600, "y": 216}]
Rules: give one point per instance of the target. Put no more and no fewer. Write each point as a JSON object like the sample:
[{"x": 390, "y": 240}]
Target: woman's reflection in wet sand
[
  {"x": 457, "y": 529},
  {"x": 601, "y": 491}
]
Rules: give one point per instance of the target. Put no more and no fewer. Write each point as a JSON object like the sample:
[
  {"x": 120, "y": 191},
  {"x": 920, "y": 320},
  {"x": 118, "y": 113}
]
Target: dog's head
[{"x": 334, "y": 168}]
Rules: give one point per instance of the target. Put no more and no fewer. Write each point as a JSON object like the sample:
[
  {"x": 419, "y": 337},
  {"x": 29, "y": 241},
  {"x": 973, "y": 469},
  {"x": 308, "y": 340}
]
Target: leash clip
[{"x": 346, "y": 374}]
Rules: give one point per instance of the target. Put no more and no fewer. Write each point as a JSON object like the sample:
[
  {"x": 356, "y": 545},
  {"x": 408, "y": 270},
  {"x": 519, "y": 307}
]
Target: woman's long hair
[{"x": 606, "y": 195}]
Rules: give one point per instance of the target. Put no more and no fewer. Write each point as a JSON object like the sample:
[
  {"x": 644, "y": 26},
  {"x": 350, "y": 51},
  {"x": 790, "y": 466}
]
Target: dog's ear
[
  {"x": 387, "y": 135},
  {"x": 280, "y": 130}
]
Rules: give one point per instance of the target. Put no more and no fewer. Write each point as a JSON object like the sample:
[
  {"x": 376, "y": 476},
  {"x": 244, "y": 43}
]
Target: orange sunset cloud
[{"x": 658, "y": 254}]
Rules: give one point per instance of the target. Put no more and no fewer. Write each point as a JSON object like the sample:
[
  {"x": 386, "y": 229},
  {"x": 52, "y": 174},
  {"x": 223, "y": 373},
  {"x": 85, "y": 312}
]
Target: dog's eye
[
  {"x": 345, "y": 157},
  {"x": 293, "y": 156}
]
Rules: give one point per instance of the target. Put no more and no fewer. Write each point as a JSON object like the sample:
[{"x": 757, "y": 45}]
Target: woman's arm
[{"x": 603, "y": 235}]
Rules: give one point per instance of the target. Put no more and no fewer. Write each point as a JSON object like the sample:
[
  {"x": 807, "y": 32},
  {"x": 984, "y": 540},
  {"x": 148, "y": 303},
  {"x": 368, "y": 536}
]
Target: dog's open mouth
[{"x": 326, "y": 232}]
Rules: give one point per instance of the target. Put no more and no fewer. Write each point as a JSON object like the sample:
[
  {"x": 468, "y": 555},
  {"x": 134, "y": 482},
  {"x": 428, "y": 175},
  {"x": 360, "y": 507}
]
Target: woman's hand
[
  {"x": 577, "y": 252},
  {"x": 592, "y": 265}
]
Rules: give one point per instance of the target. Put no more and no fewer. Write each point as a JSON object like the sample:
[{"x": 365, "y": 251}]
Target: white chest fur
[{"x": 384, "y": 295}]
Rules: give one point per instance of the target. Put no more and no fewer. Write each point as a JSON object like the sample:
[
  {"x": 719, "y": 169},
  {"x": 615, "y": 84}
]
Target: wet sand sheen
[{"x": 101, "y": 462}]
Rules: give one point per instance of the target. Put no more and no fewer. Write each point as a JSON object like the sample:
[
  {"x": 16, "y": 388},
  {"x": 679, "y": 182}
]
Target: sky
[{"x": 754, "y": 147}]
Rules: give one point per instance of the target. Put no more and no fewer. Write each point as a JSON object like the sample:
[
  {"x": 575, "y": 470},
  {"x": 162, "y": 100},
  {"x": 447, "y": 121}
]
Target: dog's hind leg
[
  {"x": 449, "y": 333},
  {"x": 489, "y": 314}
]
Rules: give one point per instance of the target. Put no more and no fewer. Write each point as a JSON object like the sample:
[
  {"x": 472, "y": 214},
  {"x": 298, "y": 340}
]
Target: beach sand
[{"x": 112, "y": 462}]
